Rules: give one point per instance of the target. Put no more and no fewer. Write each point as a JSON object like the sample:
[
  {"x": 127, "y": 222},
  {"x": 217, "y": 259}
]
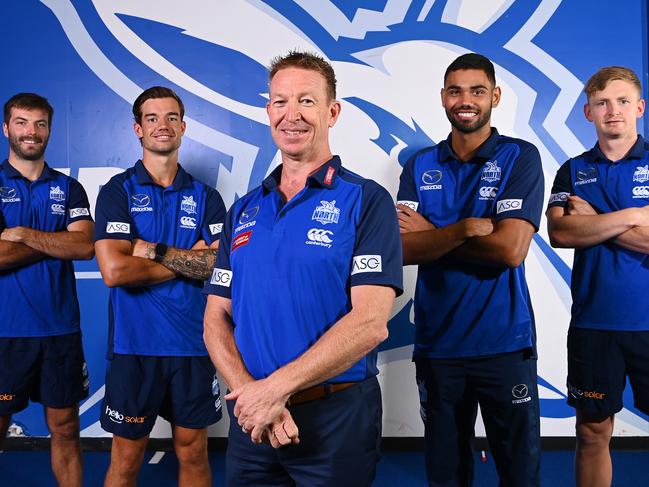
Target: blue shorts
[
  {"x": 339, "y": 444},
  {"x": 505, "y": 388},
  {"x": 599, "y": 362},
  {"x": 183, "y": 390},
  {"x": 51, "y": 370}
]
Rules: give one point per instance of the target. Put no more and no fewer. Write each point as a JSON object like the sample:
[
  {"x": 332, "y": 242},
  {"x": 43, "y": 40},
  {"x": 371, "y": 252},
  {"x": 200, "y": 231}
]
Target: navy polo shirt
[
  {"x": 609, "y": 283},
  {"x": 40, "y": 299},
  {"x": 288, "y": 267},
  {"x": 165, "y": 318},
  {"x": 466, "y": 309}
]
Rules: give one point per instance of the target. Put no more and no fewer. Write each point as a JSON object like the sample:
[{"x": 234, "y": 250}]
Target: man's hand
[
  {"x": 283, "y": 431},
  {"x": 15, "y": 234},
  {"x": 579, "y": 206},
  {"x": 259, "y": 404},
  {"x": 144, "y": 249},
  {"x": 411, "y": 221}
]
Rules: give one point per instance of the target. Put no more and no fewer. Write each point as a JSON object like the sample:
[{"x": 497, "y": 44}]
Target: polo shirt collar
[
  {"x": 324, "y": 176},
  {"x": 12, "y": 173},
  {"x": 636, "y": 152},
  {"x": 182, "y": 179},
  {"x": 485, "y": 151}
]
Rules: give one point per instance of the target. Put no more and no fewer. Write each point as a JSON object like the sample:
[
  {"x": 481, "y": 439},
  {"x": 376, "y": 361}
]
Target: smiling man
[
  {"x": 600, "y": 207},
  {"x": 45, "y": 224},
  {"x": 468, "y": 209},
  {"x": 156, "y": 241},
  {"x": 308, "y": 269}
]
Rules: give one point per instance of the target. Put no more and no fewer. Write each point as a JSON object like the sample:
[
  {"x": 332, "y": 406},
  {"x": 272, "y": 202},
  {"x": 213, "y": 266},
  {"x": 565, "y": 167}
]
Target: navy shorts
[
  {"x": 51, "y": 370},
  {"x": 339, "y": 444},
  {"x": 505, "y": 388},
  {"x": 599, "y": 362},
  {"x": 183, "y": 390}
]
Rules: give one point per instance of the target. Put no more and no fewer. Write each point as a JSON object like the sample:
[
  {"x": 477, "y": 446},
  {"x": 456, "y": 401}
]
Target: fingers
[{"x": 257, "y": 434}]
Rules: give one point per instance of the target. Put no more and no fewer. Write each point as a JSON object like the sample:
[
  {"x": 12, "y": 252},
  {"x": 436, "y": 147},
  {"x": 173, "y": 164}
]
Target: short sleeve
[
  {"x": 377, "y": 258},
  {"x": 112, "y": 217},
  {"x": 407, "y": 194},
  {"x": 522, "y": 196},
  {"x": 78, "y": 205},
  {"x": 220, "y": 281},
  {"x": 561, "y": 188},
  {"x": 214, "y": 216}
]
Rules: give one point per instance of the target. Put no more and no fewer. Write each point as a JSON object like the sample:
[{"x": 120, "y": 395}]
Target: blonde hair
[{"x": 604, "y": 76}]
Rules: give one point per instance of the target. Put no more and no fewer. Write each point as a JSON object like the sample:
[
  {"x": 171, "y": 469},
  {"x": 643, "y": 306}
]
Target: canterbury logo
[{"x": 319, "y": 235}]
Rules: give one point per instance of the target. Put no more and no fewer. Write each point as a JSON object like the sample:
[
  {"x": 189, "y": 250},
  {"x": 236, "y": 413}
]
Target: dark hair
[
  {"x": 472, "y": 61},
  {"x": 604, "y": 76},
  {"x": 155, "y": 92},
  {"x": 305, "y": 60},
  {"x": 28, "y": 101}
]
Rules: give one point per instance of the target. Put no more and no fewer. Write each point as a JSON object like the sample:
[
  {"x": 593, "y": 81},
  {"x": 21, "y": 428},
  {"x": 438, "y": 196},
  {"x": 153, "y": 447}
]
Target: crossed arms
[
  {"x": 478, "y": 240},
  {"x": 20, "y": 246},
  {"x": 578, "y": 225}
]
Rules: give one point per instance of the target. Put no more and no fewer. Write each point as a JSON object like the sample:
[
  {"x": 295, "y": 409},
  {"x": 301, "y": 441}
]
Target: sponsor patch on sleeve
[
  {"x": 554, "y": 197},
  {"x": 216, "y": 228},
  {"x": 221, "y": 277},
  {"x": 509, "y": 205},
  {"x": 366, "y": 263},
  {"x": 118, "y": 227},
  {"x": 77, "y": 212},
  {"x": 410, "y": 204}
]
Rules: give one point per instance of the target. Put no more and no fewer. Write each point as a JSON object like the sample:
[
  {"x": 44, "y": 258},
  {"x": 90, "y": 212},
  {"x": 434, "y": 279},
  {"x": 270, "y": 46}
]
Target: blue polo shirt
[
  {"x": 465, "y": 309},
  {"x": 288, "y": 267},
  {"x": 609, "y": 283},
  {"x": 164, "y": 319},
  {"x": 40, "y": 299}
]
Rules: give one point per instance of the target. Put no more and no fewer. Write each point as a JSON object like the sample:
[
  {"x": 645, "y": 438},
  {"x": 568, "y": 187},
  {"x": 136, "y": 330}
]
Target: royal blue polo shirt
[
  {"x": 40, "y": 299},
  {"x": 164, "y": 319},
  {"x": 465, "y": 309},
  {"x": 609, "y": 283},
  {"x": 289, "y": 267}
]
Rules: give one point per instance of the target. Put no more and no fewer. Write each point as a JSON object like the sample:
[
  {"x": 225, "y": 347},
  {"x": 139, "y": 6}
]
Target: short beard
[
  {"x": 483, "y": 119},
  {"x": 14, "y": 144}
]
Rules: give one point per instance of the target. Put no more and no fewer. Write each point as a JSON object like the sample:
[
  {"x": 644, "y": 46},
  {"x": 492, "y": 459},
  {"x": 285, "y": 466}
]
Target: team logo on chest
[
  {"x": 320, "y": 237},
  {"x": 641, "y": 174},
  {"x": 141, "y": 202},
  {"x": 58, "y": 209},
  {"x": 586, "y": 176},
  {"x": 9, "y": 194},
  {"x": 56, "y": 193},
  {"x": 431, "y": 180},
  {"x": 326, "y": 212},
  {"x": 188, "y": 205},
  {"x": 491, "y": 173}
]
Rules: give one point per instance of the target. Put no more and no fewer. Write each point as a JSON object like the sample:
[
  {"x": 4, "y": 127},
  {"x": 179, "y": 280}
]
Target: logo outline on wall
[
  {"x": 326, "y": 212},
  {"x": 491, "y": 172}
]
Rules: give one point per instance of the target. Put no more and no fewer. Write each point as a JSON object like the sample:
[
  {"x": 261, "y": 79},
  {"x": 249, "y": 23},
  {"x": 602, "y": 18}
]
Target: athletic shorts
[
  {"x": 51, "y": 370},
  {"x": 599, "y": 362},
  {"x": 183, "y": 390}
]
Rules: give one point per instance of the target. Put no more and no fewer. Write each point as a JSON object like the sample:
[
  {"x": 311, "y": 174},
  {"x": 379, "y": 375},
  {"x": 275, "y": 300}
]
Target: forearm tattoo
[{"x": 195, "y": 264}]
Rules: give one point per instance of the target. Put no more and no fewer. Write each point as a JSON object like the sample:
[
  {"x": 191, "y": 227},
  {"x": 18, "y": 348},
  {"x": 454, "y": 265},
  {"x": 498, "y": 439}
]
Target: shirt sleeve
[
  {"x": 214, "y": 216},
  {"x": 561, "y": 188},
  {"x": 113, "y": 220},
  {"x": 377, "y": 258},
  {"x": 407, "y": 194},
  {"x": 220, "y": 282},
  {"x": 523, "y": 194},
  {"x": 78, "y": 205}
]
